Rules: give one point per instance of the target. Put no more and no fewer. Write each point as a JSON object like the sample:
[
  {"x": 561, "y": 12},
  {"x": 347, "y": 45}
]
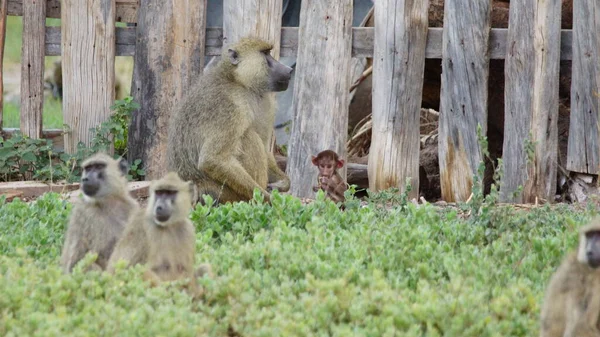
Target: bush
[{"x": 289, "y": 269}]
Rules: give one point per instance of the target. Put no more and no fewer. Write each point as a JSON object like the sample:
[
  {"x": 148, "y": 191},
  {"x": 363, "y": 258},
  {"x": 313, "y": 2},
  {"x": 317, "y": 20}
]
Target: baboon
[
  {"x": 329, "y": 180},
  {"x": 219, "y": 136},
  {"x": 161, "y": 236},
  {"x": 97, "y": 221},
  {"x": 55, "y": 85},
  {"x": 572, "y": 302}
]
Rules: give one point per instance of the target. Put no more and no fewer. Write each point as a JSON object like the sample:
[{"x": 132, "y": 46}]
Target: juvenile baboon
[
  {"x": 219, "y": 136},
  {"x": 97, "y": 221},
  {"x": 161, "y": 236},
  {"x": 55, "y": 84},
  {"x": 572, "y": 302},
  {"x": 329, "y": 180}
]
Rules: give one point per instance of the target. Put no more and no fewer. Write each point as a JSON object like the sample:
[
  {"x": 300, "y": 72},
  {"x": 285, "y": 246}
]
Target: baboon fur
[
  {"x": 572, "y": 302},
  {"x": 168, "y": 247},
  {"x": 219, "y": 137},
  {"x": 97, "y": 222}
]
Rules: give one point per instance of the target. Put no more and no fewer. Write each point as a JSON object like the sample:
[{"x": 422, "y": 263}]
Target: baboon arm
[
  {"x": 73, "y": 251},
  {"x": 277, "y": 178},
  {"x": 232, "y": 173}
]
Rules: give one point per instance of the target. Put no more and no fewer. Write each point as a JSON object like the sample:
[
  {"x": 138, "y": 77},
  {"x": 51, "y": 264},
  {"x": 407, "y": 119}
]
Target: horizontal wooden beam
[
  {"x": 126, "y": 10},
  {"x": 362, "y": 42}
]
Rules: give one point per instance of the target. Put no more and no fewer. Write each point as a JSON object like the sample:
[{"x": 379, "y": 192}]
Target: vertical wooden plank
[
  {"x": 583, "y": 150},
  {"x": 400, "y": 39},
  {"x": 3, "y": 13},
  {"x": 32, "y": 67},
  {"x": 169, "y": 56},
  {"x": 260, "y": 18},
  {"x": 88, "y": 65},
  {"x": 531, "y": 101},
  {"x": 464, "y": 96},
  {"x": 320, "y": 103}
]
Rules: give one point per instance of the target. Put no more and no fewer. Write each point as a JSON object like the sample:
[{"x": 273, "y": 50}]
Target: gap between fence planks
[
  {"x": 32, "y": 68},
  {"x": 464, "y": 95},
  {"x": 531, "y": 101},
  {"x": 170, "y": 56},
  {"x": 583, "y": 149},
  {"x": 321, "y": 89},
  {"x": 362, "y": 42},
  {"x": 398, "y": 67}
]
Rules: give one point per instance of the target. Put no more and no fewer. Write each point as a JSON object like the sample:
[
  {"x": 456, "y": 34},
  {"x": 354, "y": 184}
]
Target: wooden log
[
  {"x": 126, "y": 9},
  {"x": 3, "y": 11},
  {"x": 398, "y": 68},
  {"x": 169, "y": 56},
  {"x": 464, "y": 95},
  {"x": 321, "y": 88},
  {"x": 124, "y": 41},
  {"x": 88, "y": 65},
  {"x": 32, "y": 67},
  {"x": 530, "y": 151},
  {"x": 583, "y": 150}
]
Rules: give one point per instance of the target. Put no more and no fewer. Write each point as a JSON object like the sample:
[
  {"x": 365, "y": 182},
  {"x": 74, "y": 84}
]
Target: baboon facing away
[
  {"x": 572, "y": 303},
  {"x": 219, "y": 135},
  {"x": 97, "y": 221},
  {"x": 161, "y": 236}
]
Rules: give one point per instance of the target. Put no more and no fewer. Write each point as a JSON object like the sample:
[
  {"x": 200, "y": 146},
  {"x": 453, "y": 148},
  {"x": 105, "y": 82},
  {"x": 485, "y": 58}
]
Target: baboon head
[
  {"x": 328, "y": 162},
  {"x": 589, "y": 244},
  {"x": 103, "y": 176},
  {"x": 252, "y": 66},
  {"x": 170, "y": 199}
]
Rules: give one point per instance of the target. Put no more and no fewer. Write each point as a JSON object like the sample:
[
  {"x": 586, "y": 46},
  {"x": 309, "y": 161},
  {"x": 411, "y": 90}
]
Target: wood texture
[
  {"x": 32, "y": 68},
  {"x": 362, "y": 42},
  {"x": 168, "y": 58},
  {"x": 88, "y": 65},
  {"x": 531, "y": 101},
  {"x": 398, "y": 67},
  {"x": 126, "y": 9},
  {"x": 320, "y": 103},
  {"x": 583, "y": 150},
  {"x": 3, "y": 13},
  {"x": 464, "y": 94}
]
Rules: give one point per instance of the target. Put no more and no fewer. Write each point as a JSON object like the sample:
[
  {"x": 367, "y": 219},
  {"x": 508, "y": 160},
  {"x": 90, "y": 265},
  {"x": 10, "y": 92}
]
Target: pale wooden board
[
  {"x": 583, "y": 152},
  {"x": 32, "y": 68},
  {"x": 169, "y": 57},
  {"x": 320, "y": 103},
  {"x": 362, "y": 42},
  {"x": 464, "y": 94},
  {"x": 126, "y": 9},
  {"x": 88, "y": 68},
  {"x": 398, "y": 67}
]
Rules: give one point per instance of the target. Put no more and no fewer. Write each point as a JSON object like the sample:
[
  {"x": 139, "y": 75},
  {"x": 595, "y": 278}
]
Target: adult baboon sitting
[{"x": 219, "y": 135}]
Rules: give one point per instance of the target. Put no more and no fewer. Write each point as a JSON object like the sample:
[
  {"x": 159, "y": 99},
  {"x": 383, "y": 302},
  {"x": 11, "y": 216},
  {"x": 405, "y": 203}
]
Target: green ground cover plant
[{"x": 289, "y": 269}]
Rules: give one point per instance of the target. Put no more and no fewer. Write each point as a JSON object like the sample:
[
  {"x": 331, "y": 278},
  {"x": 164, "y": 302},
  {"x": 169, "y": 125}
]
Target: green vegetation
[
  {"x": 22, "y": 157},
  {"x": 289, "y": 269}
]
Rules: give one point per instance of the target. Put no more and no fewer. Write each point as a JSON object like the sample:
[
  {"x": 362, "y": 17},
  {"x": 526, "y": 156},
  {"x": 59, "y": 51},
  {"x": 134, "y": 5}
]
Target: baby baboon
[
  {"x": 329, "y": 180},
  {"x": 219, "y": 135},
  {"x": 572, "y": 303},
  {"x": 162, "y": 237},
  {"x": 97, "y": 221}
]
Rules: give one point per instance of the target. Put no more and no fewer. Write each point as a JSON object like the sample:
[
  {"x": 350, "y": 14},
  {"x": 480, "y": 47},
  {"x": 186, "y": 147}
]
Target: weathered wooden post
[
  {"x": 583, "y": 154},
  {"x": 531, "y": 101},
  {"x": 32, "y": 67},
  {"x": 169, "y": 56},
  {"x": 398, "y": 66},
  {"x": 464, "y": 94},
  {"x": 320, "y": 104},
  {"x": 88, "y": 66},
  {"x": 3, "y": 13}
]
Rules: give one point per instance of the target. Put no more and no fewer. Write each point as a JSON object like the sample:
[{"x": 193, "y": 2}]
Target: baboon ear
[
  {"x": 314, "y": 160},
  {"x": 340, "y": 163},
  {"x": 234, "y": 58},
  {"x": 193, "y": 191},
  {"x": 124, "y": 166}
]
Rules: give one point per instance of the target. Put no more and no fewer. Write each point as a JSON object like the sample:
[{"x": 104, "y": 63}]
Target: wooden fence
[{"x": 171, "y": 39}]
